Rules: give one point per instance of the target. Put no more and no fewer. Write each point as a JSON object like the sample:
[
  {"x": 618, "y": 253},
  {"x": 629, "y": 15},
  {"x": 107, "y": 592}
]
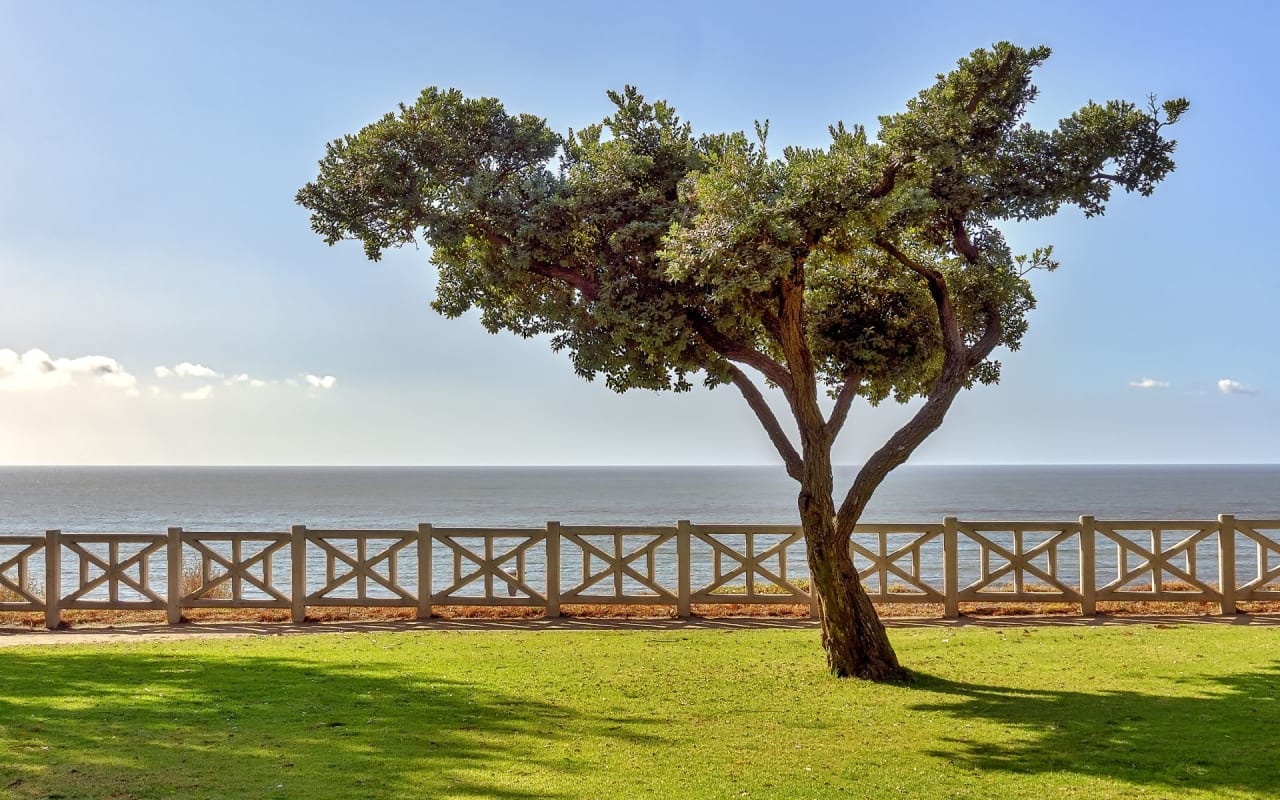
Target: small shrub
[
  {"x": 8, "y": 595},
  {"x": 193, "y": 579}
]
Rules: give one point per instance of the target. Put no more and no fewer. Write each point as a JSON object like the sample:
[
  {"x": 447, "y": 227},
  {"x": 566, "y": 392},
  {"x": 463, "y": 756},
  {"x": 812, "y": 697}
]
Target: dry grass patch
[{"x": 192, "y": 580}]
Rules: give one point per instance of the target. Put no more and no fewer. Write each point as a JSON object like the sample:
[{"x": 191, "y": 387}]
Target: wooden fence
[{"x": 1220, "y": 561}]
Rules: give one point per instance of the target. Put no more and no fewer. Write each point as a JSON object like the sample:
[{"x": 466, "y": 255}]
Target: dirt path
[{"x": 13, "y": 637}]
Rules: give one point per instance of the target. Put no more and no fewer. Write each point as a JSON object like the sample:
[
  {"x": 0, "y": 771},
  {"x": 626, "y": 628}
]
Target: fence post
[
  {"x": 173, "y": 612},
  {"x": 424, "y": 570},
  {"x": 1088, "y": 568},
  {"x": 52, "y": 579},
  {"x": 950, "y": 569},
  {"x": 1227, "y": 563},
  {"x": 553, "y": 568},
  {"x": 684, "y": 568},
  {"x": 298, "y": 589}
]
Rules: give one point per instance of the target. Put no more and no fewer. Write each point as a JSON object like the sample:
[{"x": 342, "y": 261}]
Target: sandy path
[{"x": 14, "y": 637}]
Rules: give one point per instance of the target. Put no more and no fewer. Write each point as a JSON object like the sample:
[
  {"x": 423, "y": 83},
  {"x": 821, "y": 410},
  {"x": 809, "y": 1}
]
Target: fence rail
[{"x": 1087, "y": 561}]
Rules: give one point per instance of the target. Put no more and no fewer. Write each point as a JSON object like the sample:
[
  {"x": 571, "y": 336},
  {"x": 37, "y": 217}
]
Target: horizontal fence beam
[{"x": 1081, "y": 562}]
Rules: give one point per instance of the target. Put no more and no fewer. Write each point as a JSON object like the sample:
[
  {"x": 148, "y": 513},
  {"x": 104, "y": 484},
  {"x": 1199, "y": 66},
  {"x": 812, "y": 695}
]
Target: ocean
[{"x": 147, "y": 499}]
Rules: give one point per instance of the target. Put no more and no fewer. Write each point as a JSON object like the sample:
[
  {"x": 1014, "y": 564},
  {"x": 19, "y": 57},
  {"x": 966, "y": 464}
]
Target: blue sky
[{"x": 151, "y": 250}]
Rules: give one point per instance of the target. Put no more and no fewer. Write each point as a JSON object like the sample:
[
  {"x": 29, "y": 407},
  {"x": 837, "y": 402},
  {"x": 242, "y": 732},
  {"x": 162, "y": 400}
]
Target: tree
[{"x": 872, "y": 268}]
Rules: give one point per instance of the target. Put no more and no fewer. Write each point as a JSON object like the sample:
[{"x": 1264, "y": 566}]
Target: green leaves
[
  {"x": 428, "y": 169},
  {"x": 650, "y": 254}
]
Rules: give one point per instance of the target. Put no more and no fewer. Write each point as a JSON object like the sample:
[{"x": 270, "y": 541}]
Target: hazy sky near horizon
[{"x": 163, "y": 301}]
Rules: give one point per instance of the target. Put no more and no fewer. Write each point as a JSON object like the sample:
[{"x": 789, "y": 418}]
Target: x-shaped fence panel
[
  {"x": 375, "y": 565},
  {"x": 483, "y": 559},
  {"x": 1019, "y": 561},
  {"x": 891, "y": 561},
  {"x": 234, "y": 570},
  {"x": 1158, "y": 565},
  {"x": 756, "y": 570},
  {"x": 18, "y": 587},
  {"x": 1265, "y": 582},
  {"x": 619, "y": 566},
  {"x": 123, "y": 572}
]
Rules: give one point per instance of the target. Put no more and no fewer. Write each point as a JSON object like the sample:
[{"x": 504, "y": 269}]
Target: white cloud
[
  {"x": 36, "y": 370},
  {"x": 1228, "y": 386},
  {"x": 203, "y": 393},
  {"x": 318, "y": 382},
  {"x": 188, "y": 370},
  {"x": 244, "y": 380},
  {"x": 1149, "y": 383}
]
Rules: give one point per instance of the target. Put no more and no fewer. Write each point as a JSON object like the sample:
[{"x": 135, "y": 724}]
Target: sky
[{"x": 164, "y": 301}]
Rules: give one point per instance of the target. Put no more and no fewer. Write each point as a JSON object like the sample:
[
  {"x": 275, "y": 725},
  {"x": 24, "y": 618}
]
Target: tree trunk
[{"x": 855, "y": 640}]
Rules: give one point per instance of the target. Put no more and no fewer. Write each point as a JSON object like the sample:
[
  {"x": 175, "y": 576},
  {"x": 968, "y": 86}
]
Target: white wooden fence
[{"x": 1222, "y": 561}]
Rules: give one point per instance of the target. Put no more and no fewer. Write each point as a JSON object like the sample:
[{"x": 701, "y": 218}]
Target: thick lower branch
[
  {"x": 955, "y": 372},
  {"x": 810, "y": 421},
  {"x": 790, "y": 457},
  {"x": 894, "y": 453},
  {"x": 735, "y": 351}
]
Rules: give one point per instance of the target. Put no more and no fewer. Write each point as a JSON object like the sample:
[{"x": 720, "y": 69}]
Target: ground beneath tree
[{"x": 96, "y": 634}]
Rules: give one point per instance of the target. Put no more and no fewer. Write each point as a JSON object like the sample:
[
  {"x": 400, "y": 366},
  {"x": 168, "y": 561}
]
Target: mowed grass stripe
[{"x": 1114, "y": 712}]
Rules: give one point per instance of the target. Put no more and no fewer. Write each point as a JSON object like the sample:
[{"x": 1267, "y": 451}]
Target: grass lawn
[{"x": 1126, "y": 712}]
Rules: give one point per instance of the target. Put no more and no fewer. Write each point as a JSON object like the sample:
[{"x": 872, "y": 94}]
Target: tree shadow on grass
[
  {"x": 1208, "y": 733},
  {"x": 134, "y": 725}
]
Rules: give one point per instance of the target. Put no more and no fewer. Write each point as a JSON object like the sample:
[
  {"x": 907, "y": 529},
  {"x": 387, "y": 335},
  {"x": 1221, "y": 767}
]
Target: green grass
[{"x": 1051, "y": 712}]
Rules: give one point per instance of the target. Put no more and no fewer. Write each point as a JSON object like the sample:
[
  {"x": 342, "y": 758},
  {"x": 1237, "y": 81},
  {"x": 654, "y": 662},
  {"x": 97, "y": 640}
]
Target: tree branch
[
  {"x": 791, "y": 330},
  {"x": 742, "y": 354},
  {"x": 904, "y": 442},
  {"x": 899, "y": 448},
  {"x": 989, "y": 339},
  {"x": 576, "y": 280},
  {"x": 791, "y": 458},
  {"x": 1002, "y": 73},
  {"x": 956, "y": 364},
  {"x": 811, "y": 423},
  {"x": 952, "y": 343},
  {"x": 888, "y": 179},
  {"x": 961, "y": 241},
  {"x": 844, "y": 400}
]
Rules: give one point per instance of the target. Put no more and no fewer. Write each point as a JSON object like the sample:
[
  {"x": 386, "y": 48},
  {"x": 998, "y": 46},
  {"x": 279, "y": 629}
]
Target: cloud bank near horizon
[{"x": 35, "y": 370}]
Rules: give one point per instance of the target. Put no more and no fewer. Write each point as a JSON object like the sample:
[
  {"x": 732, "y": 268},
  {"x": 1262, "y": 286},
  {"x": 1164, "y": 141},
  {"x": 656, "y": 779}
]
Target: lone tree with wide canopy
[{"x": 872, "y": 268}]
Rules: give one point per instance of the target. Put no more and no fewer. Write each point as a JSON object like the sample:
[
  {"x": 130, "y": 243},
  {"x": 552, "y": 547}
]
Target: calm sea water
[{"x": 111, "y": 499}]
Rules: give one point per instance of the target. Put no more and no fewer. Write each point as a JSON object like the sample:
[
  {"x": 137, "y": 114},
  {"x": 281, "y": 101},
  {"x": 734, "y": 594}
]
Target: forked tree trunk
[{"x": 853, "y": 636}]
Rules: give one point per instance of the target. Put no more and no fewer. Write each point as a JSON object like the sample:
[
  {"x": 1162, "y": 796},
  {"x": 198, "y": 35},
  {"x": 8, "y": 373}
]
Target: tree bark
[{"x": 853, "y": 636}]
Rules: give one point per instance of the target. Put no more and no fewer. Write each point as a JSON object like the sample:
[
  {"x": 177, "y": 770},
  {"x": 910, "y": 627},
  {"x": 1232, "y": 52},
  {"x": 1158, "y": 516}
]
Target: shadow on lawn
[
  {"x": 1209, "y": 733},
  {"x": 126, "y": 725}
]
